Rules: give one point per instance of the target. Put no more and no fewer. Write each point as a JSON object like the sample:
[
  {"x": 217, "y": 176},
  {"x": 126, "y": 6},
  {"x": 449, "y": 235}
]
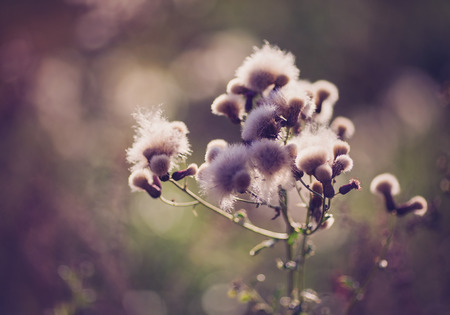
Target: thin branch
[
  {"x": 229, "y": 216},
  {"x": 178, "y": 204}
]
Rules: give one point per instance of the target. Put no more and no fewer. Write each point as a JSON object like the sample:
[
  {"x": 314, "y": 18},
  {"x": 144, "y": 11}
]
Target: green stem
[
  {"x": 301, "y": 266},
  {"x": 361, "y": 291},
  {"x": 289, "y": 230},
  {"x": 229, "y": 216}
]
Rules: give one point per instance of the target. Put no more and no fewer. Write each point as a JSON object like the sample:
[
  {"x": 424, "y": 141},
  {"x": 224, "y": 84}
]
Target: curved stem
[
  {"x": 312, "y": 191},
  {"x": 229, "y": 216},
  {"x": 372, "y": 272},
  {"x": 178, "y": 204}
]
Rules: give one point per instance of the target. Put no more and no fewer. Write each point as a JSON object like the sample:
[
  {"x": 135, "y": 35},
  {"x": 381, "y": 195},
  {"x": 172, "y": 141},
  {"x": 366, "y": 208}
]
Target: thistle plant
[{"x": 289, "y": 161}]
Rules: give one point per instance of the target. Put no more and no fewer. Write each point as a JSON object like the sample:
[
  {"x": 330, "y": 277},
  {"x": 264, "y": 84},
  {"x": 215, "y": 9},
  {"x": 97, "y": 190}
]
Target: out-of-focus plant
[{"x": 289, "y": 144}]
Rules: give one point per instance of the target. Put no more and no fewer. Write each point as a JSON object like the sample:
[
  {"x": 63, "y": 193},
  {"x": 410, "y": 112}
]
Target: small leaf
[{"x": 292, "y": 237}]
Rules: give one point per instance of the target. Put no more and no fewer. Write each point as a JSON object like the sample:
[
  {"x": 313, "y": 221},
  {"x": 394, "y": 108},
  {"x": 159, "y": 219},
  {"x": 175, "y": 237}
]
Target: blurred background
[{"x": 74, "y": 240}]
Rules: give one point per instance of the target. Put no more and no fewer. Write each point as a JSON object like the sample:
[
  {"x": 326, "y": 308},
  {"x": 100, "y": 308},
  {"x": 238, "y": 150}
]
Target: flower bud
[
  {"x": 417, "y": 204},
  {"x": 190, "y": 171},
  {"x": 340, "y": 148},
  {"x": 342, "y": 164},
  {"x": 213, "y": 148},
  {"x": 353, "y": 184},
  {"x": 386, "y": 185},
  {"x": 229, "y": 105},
  {"x": 343, "y": 127}
]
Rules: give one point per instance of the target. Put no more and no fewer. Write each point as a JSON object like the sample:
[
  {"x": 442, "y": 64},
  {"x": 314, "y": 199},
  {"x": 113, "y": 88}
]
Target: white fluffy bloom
[
  {"x": 157, "y": 138},
  {"x": 261, "y": 123},
  {"x": 229, "y": 105},
  {"x": 325, "y": 96},
  {"x": 385, "y": 183},
  {"x": 265, "y": 67},
  {"x": 272, "y": 163},
  {"x": 227, "y": 175},
  {"x": 315, "y": 147}
]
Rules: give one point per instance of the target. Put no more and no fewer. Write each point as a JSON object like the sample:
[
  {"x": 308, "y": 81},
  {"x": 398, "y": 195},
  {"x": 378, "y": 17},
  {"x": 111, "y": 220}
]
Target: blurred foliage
[{"x": 72, "y": 72}]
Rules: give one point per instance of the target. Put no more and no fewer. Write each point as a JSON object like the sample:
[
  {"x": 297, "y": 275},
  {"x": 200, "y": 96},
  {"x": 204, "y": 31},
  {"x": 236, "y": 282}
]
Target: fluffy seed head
[
  {"x": 385, "y": 184},
  {"x": 156, "y": 136},
  {"x": 229, "y": 105},
  {"x": 159, "y": 164},
  {"x": 213, "y": 148},
  {"x": 218, "y": 178},
  {"x": 139, "y": 180},
  {"x": 417, "y": 204},
  {"x": 310, "y": 158},
  {"x": 340, "y": 148},
  {"x": 323, "y": 173},
  {"x": 241, "y": 181},
  {"x": 261, "y": 123},
  {"x": 236, "y": 87},
  {"x": 266, "y": 66},
  {"x": 269, "y": 156},
  {"x": 292, "y": 150},
  {"x": 343, "y": 127},
  {"x": 342, "y": 164},
  {"x": 325, "y": 96}
]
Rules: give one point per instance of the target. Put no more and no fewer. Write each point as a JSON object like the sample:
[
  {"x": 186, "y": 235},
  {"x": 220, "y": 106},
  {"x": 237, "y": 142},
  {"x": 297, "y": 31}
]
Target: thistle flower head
[
  {"x": 140, "y": 180},
  {"x": 157, "y": 138},
  {"x": 325, "y": 96},
  {"x": 290, "y": 101},
  {"x": 418, "y": 205},
  {"x": 340, "y": 148},
  {"x": 342, "y": 164},
  {"x": 272, "y": 163},
  {"x": 266, "y": 66},
  {"x": 213, "y": 148},
  {"x": 261, "y": 123},
  {"x": 269, "y": 157},
  {"x": 315, "y": 147},
  {"x": 229, "y": 105},
  {"x": 385, "y": 183},
  {"x": 343, "y": 127},
  {"x": 226, "y": 175}
]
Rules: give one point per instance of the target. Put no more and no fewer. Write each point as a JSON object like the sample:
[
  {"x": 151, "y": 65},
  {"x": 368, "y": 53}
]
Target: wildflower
[
  {"x": 340, "y": 148},
  {"x": 158, "y": 143},
  {"x": 290, "y": 101},
  {"x": 386, "y": 185},
  {"x": 325, "y": 96},
  {"x": 229, "y": 105},
  {"x": 191, "y": 170},
  {"x": 227, "y": 175},
  {"x": 139, "y": 180},
  {"x": 343, "y": 127},
  {"x": 417, "y": 204},
  {"x": 342, "y": 163},
  {"x": 213, "y": 148},
  {"x": 315, "y": 147},
  {"x": 272, "y": 162},
  {"x": 352, "y": 184},
  {"x": 267, "y": 66},
  {"x": 262, "y": 122}
]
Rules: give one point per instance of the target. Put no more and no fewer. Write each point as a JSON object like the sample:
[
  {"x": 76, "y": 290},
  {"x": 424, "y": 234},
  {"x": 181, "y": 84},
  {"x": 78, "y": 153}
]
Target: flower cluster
[
  {"x": 289, "y": 142},
  {"x": 285, "y": 132},
  {"x": 158, "y": 146}
]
